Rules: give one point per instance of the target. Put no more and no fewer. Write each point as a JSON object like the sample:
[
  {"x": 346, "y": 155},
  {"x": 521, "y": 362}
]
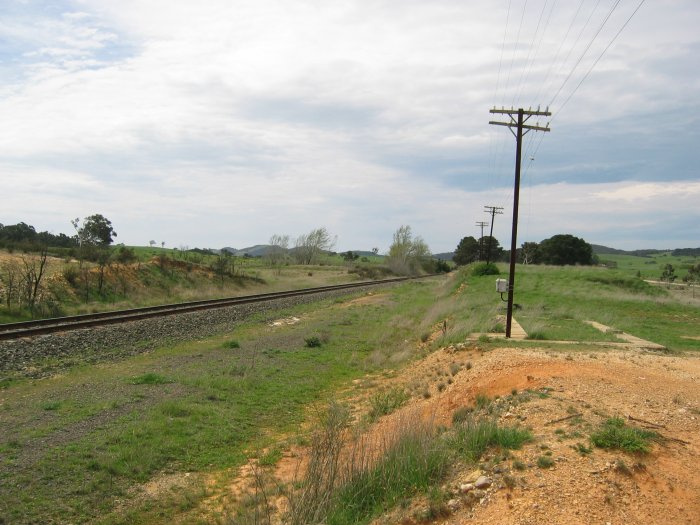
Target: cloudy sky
[{"x": 221, "y": 122}]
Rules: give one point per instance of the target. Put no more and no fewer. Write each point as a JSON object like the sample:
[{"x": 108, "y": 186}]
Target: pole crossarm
[
  {"x": 526, "y": 112},
  {"x": 511, "y": 125}
]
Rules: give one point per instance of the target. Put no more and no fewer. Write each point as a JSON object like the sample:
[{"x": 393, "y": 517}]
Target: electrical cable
[
  {"x": 561, "y": 45},
  {"x": 612, "y": 9},
  {"x": 599, "y": 57}
]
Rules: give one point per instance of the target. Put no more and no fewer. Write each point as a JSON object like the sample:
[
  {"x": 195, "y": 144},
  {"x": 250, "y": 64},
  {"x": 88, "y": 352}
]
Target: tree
[
  {"x": 467, "y": 251},
  {"x": 96, "y": 230},
  {"x": 18, "y": 232},
  {"x": 34, "y": 268},
  {"x": 530, "y": 253},
  {"x": 277, "y": 253},
  {"x": 10, "y": 276},
  {"x": 407, "y": 255},
  {"x": 224, "y": 265},
  {"x": 310, "y": 246},
  {"x": 565, "y": 249},
  {"x": 349, "y": 256},
  {"x": 669, "y": 274},
  {"x": 693, "y": 277},
  {"x": 125, "y": 255},
  {"x": 491, "y": 248}
]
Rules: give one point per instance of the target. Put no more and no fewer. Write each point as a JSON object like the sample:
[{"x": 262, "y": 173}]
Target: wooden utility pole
[
  {"x": 523, "y": 115},
  {"x": 481, "y": 239},
  {"x": 493, "y": 210}
]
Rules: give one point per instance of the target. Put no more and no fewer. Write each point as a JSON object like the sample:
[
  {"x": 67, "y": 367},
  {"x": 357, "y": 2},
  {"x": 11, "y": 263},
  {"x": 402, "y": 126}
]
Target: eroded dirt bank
[{"x": 562, "y": 396}]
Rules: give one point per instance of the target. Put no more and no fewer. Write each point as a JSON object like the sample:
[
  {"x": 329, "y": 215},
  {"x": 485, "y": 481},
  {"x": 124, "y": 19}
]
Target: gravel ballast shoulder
[{"x": 44, "y": 355}]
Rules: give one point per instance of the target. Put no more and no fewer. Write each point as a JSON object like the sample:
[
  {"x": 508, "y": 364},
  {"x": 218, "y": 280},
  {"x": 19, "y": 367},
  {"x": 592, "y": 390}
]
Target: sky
[{"x": 222, "y": 122}]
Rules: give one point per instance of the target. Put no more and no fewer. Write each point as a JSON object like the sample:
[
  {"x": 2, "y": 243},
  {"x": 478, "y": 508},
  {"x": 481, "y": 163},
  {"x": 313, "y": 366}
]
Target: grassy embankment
[
  {"x": 80, "y": 447},
  {"x": 161, "y": 275}
]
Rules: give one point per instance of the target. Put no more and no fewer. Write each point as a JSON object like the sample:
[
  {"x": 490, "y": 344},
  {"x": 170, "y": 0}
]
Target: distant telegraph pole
[
  {"x": 518, "y": 123},
  {"x": 493, "y": 210},
  {"x": 481, "y": 239}
]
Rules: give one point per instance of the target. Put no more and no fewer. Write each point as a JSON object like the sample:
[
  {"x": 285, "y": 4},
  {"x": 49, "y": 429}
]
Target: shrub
[
  {"x": 485, "y": 269},
  {"x": 545, "y": 462},
  {"x": 71, "y": 274},
  {"x": 232, "y": 344}
]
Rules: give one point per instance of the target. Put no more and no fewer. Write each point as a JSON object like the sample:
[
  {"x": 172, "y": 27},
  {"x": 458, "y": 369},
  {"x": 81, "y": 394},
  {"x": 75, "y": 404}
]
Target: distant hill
[
  {"x": 445, "y": 256},
  {"x": 605, "y": 250},
  {"x": 259, "y": 250},
  {"x": 678, "y": 252}
]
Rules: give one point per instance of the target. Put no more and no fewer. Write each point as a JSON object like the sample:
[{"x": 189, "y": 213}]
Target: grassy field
[
  {"x": 88, "y": 445},
  {"x": 555, "y": 302},
  {"x": 651, "y": 267}
]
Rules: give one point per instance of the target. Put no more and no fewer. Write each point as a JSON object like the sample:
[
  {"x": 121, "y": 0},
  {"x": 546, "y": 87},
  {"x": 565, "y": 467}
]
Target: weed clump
[
  {"x": 232, "y": 344},
  {"x": 385, "y": 402},
  {"x": 474, "y": 435},
  {"x": 536, "y": 335},
  {"x": 545, "y": 462},
  {"x": 313, "y": 342},
  {"x": 150, "y": 379},
  {"x": 615, "y": 434}
]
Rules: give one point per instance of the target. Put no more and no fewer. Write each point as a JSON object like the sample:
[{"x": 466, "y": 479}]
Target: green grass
[
  {"x": 557, "y": 300},
  {"x": 614, "y": 433},
  {"x": 386, "y": 401},
  {"x": 270, "y": 458},
  {"x": 415, "y": 460},
  {"x": 475, "y": 435},
  {"x": 652, "y": 266},
  {"x": 150, "y": 378},
  {"x": 194, "y": 407}
]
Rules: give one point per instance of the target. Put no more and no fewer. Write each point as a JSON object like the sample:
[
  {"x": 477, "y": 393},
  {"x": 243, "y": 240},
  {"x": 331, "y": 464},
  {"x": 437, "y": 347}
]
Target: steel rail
[{"x": 76, "y": 322}]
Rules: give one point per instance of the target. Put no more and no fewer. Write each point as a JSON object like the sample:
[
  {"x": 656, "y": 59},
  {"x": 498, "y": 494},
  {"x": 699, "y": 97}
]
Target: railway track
[{"x": 62, "y": 324}]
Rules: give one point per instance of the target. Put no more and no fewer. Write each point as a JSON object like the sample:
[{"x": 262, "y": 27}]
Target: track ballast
[{"x": 11, "y": 331}]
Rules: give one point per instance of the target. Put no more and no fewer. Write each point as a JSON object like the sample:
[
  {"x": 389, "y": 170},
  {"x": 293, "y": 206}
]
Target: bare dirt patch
[
  {"x": 573, "y": 393},
  {"x": 369, "y": 298}
]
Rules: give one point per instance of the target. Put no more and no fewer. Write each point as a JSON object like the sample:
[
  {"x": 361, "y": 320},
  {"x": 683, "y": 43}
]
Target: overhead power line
[
  {"x": 600, "y": 56},
  {"x": 605, "y": 21}
]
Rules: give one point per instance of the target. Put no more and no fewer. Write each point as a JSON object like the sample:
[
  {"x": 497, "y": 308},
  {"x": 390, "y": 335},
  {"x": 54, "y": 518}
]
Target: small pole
[{"x": 493, "y": 210}]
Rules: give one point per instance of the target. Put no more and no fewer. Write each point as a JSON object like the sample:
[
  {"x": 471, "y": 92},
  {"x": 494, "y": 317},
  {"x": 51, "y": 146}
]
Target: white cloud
[
  {"x": 222, "y": 122},
  {"x": 635, "y": 192}
]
